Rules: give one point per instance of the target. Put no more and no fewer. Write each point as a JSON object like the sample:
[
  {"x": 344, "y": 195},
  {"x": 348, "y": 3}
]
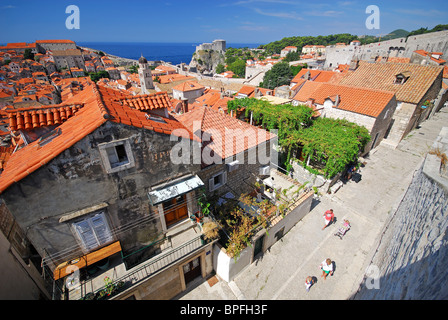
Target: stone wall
[
  {"x": 413, "y": 251},
  {"x": 77, "y": 180},
  {"x": 228, "y": 268},
  {"x": 400, "y": 47}
]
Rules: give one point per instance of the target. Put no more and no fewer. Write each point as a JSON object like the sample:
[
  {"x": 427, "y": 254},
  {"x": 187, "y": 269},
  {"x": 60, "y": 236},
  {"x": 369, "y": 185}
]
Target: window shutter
[
  {"x": 224, "y": 178},
  {"x": 211, "y": 184},
  {"x": 101, "y": 229},
  {"x": 112, "y": 154},
  {"x": 86, "y": 234}
]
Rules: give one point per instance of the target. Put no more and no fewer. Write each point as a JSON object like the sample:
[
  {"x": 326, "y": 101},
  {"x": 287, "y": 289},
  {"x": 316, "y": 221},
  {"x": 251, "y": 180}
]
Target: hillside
[{"x": 399, "y": 33}]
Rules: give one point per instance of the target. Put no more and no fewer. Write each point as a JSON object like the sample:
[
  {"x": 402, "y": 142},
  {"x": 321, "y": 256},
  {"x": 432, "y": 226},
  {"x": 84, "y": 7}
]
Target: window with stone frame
[
  {"x": 217, "y": 181},
  {"x": 117, "y": 155}
]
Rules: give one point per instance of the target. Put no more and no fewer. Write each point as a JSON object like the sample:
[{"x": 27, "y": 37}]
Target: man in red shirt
[{"x": 328, "y": 217}]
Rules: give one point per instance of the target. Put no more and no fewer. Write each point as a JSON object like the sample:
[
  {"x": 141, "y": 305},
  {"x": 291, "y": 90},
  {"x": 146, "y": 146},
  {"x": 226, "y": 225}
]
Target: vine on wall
[{"x": 333, "y": 143}]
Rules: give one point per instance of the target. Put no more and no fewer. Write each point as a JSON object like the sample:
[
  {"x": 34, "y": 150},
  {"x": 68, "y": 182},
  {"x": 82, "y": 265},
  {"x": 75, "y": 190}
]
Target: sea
[{"x": 175, "y": 52}]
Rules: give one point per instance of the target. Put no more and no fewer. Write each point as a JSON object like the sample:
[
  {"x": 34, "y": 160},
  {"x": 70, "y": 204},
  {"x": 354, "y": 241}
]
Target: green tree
[
  {"x": 279, "y": 75},
  {"x": 95, "y": 76},
  {"x": 133, "y": 69},
  {"x": 292, "y": 56},
  {"x": 238, "y": 67},
  {"x": 220, "y": 68},
  {"x": 28, "y": 54}
]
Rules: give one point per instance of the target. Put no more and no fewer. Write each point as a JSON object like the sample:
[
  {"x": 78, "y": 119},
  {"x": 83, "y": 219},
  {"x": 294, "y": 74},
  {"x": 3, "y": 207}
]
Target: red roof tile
[
  {"x": 364, "y": 101},
  {"x": 100, "y": 104},
  {"x": 216, "y": 123},
  {"x": 149, "y": 101}
]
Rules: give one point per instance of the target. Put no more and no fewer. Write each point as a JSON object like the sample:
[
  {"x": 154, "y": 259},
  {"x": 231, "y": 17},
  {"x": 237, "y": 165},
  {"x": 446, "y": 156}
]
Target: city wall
[
  {"x": 400, "y": 47},
  {"x": 412, "y": 254}
]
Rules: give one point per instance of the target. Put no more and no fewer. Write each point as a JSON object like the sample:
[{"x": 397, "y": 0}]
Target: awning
[
  {"x": 86, "y": 260},
  {"x": 174, "y": 189}
]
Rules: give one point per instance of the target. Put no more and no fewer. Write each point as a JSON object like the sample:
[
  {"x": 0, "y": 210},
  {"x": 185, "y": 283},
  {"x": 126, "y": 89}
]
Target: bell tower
[{"x": 144, "y": 73}]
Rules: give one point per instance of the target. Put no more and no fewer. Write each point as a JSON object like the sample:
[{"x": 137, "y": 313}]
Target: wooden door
[
  {"x": 175, "y": 210},
  {"x": 192, "y": 270}
]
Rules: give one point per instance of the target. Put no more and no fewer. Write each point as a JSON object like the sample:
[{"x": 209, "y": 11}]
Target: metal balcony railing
[{"x": 140, "y": 273}]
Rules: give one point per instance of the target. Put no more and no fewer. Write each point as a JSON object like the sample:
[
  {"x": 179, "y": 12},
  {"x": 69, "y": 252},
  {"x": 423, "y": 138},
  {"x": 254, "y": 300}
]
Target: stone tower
[{"x": 144, "y": 73}]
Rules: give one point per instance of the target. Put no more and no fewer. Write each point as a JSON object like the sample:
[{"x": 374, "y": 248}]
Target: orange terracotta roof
[
  {"x": 430, "y": 55},
  {"x": 38, "y": 153},
  {"x": 101, "y": 104},
  {"x": 364, "y": 101},
  {"x": 145, "y": 102},
  {"x": 19, "y": 45},
  {"x": 30, "y": 118},
  {"x": 168, "y": 78},
  {"x": 5, "y": 154},
  {"x": 247, "y": 90},
  {"x": 188, "y": 86},
  {"x": 121, "y": 113},
  {"x": 315, "y": 75},
  {"x": 398, "y": 59},
  {"x": 164, "y": 68},
  {"x": 382, "y": 76},
  {"x": 216, "y": 123}
]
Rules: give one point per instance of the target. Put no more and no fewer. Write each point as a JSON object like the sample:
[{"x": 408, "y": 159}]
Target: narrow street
[{"x": 280, "y": 273}]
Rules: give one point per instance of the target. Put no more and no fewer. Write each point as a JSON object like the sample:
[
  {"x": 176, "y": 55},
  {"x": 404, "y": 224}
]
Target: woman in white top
[{"x": 327, "y": 268}]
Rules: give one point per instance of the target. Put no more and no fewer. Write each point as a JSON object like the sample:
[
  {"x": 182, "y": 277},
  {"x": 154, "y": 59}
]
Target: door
[
  {"x": 192, "y": 270},
  {"x": 258, "y": 248},
  {"x": 175, "y": 210}
]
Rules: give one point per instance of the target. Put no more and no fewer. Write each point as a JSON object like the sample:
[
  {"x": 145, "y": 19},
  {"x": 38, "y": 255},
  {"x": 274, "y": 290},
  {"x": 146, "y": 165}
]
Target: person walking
[
  {"x": 328, "y": 217},
  {"x": 327, "y": 268},
  {"x": 309, "y": 281}
]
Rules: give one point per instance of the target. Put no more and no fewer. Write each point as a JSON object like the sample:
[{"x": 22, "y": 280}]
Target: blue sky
[{"x": 236, "y": 21}]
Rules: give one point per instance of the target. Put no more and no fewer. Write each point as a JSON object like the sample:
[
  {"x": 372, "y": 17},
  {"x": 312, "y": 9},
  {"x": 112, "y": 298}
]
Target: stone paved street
[{"x": 280, "y": 273}]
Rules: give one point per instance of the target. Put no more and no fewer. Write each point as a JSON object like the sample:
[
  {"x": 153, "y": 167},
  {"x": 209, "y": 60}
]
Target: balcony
[{"x": 181, "y": 241}]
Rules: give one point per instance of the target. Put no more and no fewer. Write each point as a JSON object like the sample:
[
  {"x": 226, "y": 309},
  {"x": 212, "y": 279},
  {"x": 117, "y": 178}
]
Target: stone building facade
[
  {"x": 50, "y": 45},
  {"x": 69, "y": 59}
]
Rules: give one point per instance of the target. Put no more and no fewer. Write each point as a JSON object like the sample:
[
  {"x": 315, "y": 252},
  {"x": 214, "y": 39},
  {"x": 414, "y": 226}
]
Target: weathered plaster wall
[{"x": 76, "y": 179}]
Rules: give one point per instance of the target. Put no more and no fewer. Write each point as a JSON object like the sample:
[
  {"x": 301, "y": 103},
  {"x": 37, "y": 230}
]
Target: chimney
[
  {"x": 336, "y": 102},
  {"x": 185, "y": 105}
]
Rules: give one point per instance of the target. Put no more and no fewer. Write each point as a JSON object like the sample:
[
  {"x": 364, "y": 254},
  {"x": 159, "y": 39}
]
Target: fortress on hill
[{"x": 216, "y": 45}]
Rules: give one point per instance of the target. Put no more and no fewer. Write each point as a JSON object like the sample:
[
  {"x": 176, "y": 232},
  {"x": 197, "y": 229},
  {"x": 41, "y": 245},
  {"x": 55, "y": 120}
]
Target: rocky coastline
[{"x": 119, "y": 61}]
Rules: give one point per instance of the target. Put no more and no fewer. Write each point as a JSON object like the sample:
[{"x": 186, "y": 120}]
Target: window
[
  {"x": 93, "y": 232},
  {"x": 116, "y": 155},
  {"x": 402, "y": 77},
  {"x": 217, "y": 181}
]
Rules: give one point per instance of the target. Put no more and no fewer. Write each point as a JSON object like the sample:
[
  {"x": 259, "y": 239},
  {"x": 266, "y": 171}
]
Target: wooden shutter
[
  {"x": 86, "y": 234},
  {"x": 112, "y": 155},
  {"x": 211, "y": 184},
  {"x": 101, "y": 229},
  {"x": 94, "y": 231}
]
